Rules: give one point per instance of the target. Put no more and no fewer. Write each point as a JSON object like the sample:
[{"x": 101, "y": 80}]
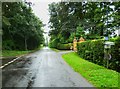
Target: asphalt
[{"x": 44, "y": 68}]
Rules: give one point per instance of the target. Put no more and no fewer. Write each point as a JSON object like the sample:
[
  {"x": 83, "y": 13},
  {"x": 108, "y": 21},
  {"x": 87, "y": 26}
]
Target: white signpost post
[{"x": 107, "y": 46}]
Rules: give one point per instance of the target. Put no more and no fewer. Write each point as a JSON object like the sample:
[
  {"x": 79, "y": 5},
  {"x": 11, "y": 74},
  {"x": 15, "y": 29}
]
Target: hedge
[
  {"x": 94, "y": 52},
  {"x": 57, "y": 45},
  {"x": 64, "y": 46},
  {"x": 53, "y": 43}
]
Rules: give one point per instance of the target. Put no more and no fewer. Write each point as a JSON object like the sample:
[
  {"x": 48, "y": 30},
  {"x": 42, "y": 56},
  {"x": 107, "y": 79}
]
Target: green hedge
[
  {"x": 57, "y": 45},
  {"x": 53, "y": 43},
  {"x": 94, "y": 52},
  {"x": 64, "y": 46},
  {"x": 115, "y": 51}
]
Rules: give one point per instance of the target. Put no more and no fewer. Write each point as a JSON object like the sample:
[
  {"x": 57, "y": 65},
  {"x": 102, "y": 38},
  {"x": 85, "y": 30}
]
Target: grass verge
[
  {"x": 10, "y": 53},
  {"x": 97, "y": 75}
]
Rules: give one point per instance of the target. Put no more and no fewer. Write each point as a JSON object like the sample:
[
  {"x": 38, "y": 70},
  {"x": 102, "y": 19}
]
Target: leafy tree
[
  {"x": 96, "y": 18},
  {"x": 20, "y": 27},
  {"x": 80, "y": 32}
]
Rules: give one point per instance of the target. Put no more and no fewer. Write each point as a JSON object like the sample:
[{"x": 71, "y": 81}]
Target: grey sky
[{"x": 40, "y": 8}]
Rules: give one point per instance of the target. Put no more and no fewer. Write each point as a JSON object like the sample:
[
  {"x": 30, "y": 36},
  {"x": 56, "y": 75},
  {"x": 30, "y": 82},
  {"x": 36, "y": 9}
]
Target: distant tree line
[
  {"x": 21, "y": 29},
  {"x": 91, "y": 20}
]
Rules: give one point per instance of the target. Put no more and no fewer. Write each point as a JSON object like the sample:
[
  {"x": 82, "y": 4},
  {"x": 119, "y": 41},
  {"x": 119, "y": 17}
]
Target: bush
[
  {"x": 56, "y": 44},
  {"x": 64, "y": 46},
  {"x": 8, "y": 45},
  {"x": 115, "y": 52},
  {"x": 53, "y": 43},
  {"x": 94, "y": 52},
  {"x": 91, "y": 50}
]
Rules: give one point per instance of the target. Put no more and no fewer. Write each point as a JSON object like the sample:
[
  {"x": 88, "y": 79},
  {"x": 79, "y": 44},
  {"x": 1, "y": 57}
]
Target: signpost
[{"x": 107, "y": 46}]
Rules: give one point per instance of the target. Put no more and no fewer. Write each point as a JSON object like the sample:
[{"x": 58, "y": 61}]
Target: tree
[
  {"x": 80, "y": 32},
  {"x": 21, "y": 27},
  {"x": 96, "y": 18}
]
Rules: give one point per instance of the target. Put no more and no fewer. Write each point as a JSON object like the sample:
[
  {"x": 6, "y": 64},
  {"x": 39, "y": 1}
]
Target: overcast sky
[{"x": 40, "y": 8}]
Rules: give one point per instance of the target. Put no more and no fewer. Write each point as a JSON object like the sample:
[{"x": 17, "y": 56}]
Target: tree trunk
[
  {"x": 25, "y": 43},
  {"x": 101, "y": 32}
]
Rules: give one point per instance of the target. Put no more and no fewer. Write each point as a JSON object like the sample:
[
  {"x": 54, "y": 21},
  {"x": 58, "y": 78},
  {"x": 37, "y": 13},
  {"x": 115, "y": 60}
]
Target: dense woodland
[
  {"x": 91, "y": 20},
  {"x": 21, "y": 29}
]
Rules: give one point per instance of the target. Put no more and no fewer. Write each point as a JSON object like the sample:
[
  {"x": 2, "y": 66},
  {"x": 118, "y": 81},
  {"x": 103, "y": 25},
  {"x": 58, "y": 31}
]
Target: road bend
[{"x": 44, "y": 68}]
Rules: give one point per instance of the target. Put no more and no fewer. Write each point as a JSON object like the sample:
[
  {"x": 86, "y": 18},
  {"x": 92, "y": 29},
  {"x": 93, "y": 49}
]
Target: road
[{"x": 44, "y": 68}]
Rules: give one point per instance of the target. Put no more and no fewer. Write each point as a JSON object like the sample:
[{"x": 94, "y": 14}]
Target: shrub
[
  {"x": 115, "y": 52},
  {"x": 91, "y": 50},
  {"x": 94, "y": 52},
  {"x": 8, "y": 45},
  {"x": 53, "y": 43},
  {"x": 64, "y": 46}
]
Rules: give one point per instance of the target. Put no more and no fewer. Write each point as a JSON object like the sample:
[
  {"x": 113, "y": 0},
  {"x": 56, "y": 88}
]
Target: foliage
[
  {"x": 57, "y": 45},
  {"x": 9, "y": 53},
  {"x": 79, "y": 32},
  {"x": 96, "y": 18},
  {"x": 53, "y": 43},
  {"x": 99, "y": 76},
  {"x": 71, "y": 38},
  {"x": 115, "y": 52},
  {"x": 94, "y": 52},
  {"x": 64, "y": 46},
  {"x": 21, "y": 26},
  {"x": 8, "y": 44}
]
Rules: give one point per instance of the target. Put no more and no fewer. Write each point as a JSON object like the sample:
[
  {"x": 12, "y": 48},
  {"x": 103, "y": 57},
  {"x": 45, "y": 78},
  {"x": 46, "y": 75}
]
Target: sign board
[{"x": 108, "y": 44}]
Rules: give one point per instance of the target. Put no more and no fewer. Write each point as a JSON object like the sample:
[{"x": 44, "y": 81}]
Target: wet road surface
[{"x": 44, "y": 68}]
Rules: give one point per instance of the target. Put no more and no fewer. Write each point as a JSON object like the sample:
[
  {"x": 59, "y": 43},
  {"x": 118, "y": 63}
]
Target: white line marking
[{"x": 10, "y": 62}]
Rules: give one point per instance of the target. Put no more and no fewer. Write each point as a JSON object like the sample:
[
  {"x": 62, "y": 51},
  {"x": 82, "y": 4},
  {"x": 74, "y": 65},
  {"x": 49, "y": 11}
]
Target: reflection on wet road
[{"x": 44, "y": 68}]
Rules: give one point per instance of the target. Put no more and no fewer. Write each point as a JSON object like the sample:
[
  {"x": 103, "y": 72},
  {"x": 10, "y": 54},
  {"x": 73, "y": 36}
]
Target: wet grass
[
  {"x": 13, "y": 53},
  {"x": 10, "y": 53},
  {"x": 97, "y": 75}
]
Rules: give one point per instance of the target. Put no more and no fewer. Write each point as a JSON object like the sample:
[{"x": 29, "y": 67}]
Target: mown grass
[
  {"x": 9, "y": 53},
  {"x": 97, "y": 75}
]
